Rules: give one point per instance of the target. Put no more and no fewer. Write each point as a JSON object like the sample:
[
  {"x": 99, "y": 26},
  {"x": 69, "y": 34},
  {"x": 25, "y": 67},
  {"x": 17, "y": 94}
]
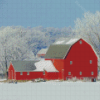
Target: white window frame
[
  {"x": 71, "y": 62},
  {"x": 69, "y": 73},
  {"x": 21, "y": 73},
  {"x": 90, "y": 61},
  {"x": 28, "y": 73},
  {"x": 80, "y": 41},
  {"x": 80, "y": 73},
  {"x": 92, "y": 73}
]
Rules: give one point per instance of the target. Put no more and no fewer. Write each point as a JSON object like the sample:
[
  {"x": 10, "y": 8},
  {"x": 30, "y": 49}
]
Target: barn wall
[
  {"x": 59, "y": 65},
  {"x": 51, "y": 75},
  {"x": 32, "y": 75},
  {"x": 11, "y": 72},
  {"x": 80, "y": 55}
]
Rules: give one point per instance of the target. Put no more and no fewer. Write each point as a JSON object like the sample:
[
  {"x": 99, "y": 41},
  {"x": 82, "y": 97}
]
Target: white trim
[{"x": 28, "y": 73}]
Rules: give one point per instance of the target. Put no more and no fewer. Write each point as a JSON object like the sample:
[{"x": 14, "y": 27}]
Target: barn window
[
  {"x": 28, "y": 73},
  {"x": 80, "y": 42},
  {"x": 90, "y": 61},
  {"x": 71, "y": 62},
  {"x": 69, "y": 73},
  {"x": 92, "y": 73},
  {"x": 21, "y": 73},
  {"x": 80, "y": 73}
]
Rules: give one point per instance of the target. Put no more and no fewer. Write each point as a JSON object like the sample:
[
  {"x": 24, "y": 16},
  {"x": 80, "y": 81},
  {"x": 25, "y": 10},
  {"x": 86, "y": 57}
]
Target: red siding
[
  {"x": 32, "y": 75},
  {"x": 51, "y": 75},
  {"x": 59, "y": 65},
  {"x": 80, "y": 55}
]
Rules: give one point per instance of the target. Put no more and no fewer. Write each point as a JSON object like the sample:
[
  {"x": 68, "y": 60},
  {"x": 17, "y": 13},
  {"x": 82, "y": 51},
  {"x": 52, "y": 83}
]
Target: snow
[
  {"x": 59, "y": 42},
  {"x": 71, "y": 41},
  {"x": 2, "y": 80},
  {"x": 50, "y": 91},
  {"x": 45, "y": 65}
]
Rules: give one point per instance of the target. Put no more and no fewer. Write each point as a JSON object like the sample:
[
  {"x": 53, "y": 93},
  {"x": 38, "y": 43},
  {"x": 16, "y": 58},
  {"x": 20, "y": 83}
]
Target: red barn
[
  {"x": 75, "y": 58},
  {"x": 27, "y": 70},
  {"x": 24, "y": 70}
]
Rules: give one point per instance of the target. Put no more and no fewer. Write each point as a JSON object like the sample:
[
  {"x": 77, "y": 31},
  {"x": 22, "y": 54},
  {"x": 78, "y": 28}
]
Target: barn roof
[
  {"x": 21, "y": 66},
  {"x": 57, "y": 51},
  {"x": 60, "y": 48}
]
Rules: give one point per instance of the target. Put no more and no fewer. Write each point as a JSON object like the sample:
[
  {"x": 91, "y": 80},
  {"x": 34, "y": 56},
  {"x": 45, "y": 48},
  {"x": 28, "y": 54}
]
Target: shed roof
[{"x": 21, "y": 66}]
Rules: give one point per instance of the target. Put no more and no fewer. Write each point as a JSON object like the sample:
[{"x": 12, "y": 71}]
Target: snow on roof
[
  {"x": 45, "y": 65},
  {"x": 71, "y": 41},
  {"x": 67, "y": 41},
  {"x": 42, "y": 51},
  {"x": 59, "y": 42}
]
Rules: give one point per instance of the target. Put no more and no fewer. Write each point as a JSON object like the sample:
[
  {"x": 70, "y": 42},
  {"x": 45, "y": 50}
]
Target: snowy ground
[{"x": 50, "y": 91}]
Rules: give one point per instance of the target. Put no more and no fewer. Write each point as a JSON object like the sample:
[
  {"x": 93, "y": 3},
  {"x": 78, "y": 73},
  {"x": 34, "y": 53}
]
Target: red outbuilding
[
  {"x": 24, "y": 70},
  {"x": 74, "y": 58}
]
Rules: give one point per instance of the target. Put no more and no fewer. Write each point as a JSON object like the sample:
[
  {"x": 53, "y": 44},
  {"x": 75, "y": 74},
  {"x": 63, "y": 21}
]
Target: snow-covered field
[{"x": 51, "y": 90}]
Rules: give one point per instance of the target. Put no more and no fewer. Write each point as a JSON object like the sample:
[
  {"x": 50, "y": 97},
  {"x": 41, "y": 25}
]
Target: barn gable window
[
  {"x": 92, "y": 73},
  {"x": 80, "y": 73},
  {"x": 21, "y": 73},
  {"x": 80, "y": 42},
  {"x": 71, "y": 62},
  {"x": 69, "y": 73},
  {"x": 90, "y": 61},
  {"x": 28, "y": 73}
]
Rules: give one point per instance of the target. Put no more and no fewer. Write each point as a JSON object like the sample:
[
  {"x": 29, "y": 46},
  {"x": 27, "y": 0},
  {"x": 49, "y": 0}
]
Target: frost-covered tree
[
  {"x": 89, "y": 28},
  {"x": 13, "y": 46}
]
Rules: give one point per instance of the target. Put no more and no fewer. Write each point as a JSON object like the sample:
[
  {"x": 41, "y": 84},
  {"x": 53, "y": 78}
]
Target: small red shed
[
  {"x": 24, "y": 70},
  {"x": 75, "y": 58}
]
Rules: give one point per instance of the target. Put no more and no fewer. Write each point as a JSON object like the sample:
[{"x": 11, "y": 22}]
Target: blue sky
[{"x": 46, "y": 13}]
